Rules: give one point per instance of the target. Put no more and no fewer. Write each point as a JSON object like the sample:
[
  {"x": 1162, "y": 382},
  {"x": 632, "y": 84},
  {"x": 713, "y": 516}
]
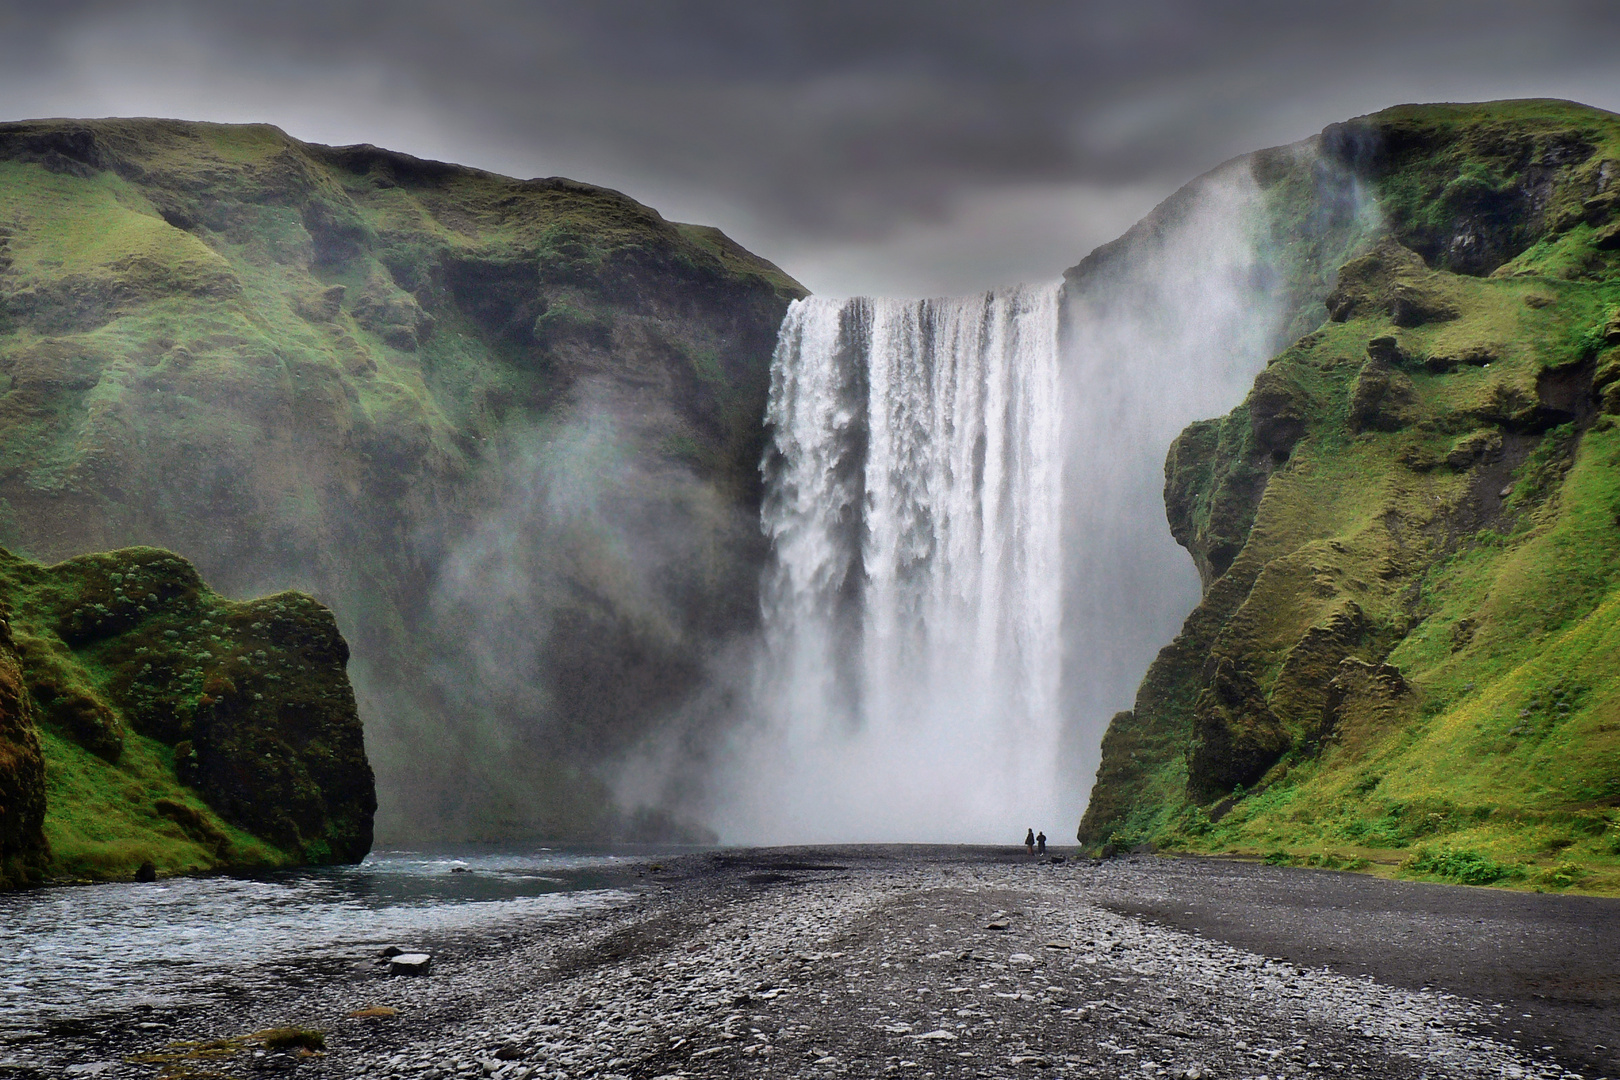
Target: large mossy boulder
[
  {"x": 174, "y": 726},
  {"x": 23, "y": 851}
]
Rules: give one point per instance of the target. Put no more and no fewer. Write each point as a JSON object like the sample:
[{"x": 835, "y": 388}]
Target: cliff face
[
  {"x": 1408, "y": 536},
  {"x": 147, "y": 718},
  {"x": 508, "y": 430}
]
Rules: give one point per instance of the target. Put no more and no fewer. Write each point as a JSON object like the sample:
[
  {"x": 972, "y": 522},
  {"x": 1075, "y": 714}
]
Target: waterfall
[
  {"x": 970, "y": 565},
  {"x": 912, "y": 608}
]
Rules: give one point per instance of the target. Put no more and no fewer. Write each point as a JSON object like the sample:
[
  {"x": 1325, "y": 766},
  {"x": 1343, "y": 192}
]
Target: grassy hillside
[
  {"x": 1410, "y": 538},
  {"x": 152, "y": 720},
  {"x": 508, "y": 430}
]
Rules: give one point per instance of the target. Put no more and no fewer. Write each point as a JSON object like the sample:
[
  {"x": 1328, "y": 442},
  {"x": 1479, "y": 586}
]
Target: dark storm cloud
[{"x": 808, "y": 121}]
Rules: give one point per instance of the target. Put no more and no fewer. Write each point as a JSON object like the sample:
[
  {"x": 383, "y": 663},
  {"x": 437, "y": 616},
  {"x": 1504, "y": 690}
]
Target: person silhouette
[
  {"x": 1029, "y": 841},
  {"x": 1040, "y": 844}
]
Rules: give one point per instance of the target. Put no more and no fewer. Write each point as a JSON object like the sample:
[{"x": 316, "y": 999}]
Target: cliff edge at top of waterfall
[
  {"x": 507, "y": 429},
  {"x": 1409, "y": 534}
]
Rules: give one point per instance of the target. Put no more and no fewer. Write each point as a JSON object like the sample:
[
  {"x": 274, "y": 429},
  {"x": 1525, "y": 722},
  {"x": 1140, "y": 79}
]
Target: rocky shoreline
[{"x": 929, "y": 963}]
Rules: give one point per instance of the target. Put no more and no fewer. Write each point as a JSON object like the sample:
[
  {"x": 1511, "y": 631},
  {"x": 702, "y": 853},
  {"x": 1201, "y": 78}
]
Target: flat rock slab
[{"x": 410, "y": 963}]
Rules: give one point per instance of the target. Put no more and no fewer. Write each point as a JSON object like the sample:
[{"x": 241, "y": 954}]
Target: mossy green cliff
[
  {"x": 508, "y": 430},
  {"x": 1409, "y": 536},
  {"x": 145, "y": 718}
]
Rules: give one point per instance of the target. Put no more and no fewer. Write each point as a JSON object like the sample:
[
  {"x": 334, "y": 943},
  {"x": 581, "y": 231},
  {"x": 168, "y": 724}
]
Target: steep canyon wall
[
  {"x": 508, "y": 430},
  {"x": 1406, "y": 536}
]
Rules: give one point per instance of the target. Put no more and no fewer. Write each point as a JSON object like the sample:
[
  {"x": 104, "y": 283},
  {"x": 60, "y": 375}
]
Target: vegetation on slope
[
  {"x": 1410, "y": 538},
  {"x": 370, "y": 377},
  {"x": 152, "y": 720}
]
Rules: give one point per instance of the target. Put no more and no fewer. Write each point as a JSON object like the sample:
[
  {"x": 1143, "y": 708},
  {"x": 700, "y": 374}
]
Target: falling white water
[
  {"x": 971, "y": 569},
  {"x": 913, "y": 606}
]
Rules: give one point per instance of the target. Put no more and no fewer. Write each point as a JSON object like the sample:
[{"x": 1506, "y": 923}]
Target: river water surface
[{"x": 77, "y": 950}]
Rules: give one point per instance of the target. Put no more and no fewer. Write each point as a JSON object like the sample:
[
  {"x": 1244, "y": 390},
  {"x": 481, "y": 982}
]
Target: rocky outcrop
[
  {"x": 1469, "y": 189},
  {"x": 508, "y": 430},
  {"x": 180, "y": 728},
  {"x": 1381, "y": 399},
  {"x": 23, "y": 851},
  {"x": 1400, "y": 531},
  {"x": 1236, "y": 736}
]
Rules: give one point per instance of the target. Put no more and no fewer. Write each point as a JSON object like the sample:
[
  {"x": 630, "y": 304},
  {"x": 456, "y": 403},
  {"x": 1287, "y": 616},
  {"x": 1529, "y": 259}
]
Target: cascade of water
[
  {"x": 913, "y": 607},
  {"x": 971, "y": 569}
]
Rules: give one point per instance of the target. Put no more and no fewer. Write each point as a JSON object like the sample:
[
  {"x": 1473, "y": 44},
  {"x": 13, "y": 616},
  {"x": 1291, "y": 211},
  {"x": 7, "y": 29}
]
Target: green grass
[{"x": 102, "y": 822}]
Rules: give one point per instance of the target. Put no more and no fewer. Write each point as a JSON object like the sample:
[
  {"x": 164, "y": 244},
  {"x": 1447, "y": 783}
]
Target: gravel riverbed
[{"x": 927, "y": 963}]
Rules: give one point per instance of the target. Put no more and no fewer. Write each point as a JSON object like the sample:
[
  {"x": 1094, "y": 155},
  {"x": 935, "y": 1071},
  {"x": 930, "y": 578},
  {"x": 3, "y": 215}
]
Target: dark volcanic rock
[{"x": 1236, "y": 736}]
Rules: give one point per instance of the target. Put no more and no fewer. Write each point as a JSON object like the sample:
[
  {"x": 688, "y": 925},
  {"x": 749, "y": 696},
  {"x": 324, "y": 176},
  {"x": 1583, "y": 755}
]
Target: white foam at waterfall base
[{"x": 913, "y": 606}]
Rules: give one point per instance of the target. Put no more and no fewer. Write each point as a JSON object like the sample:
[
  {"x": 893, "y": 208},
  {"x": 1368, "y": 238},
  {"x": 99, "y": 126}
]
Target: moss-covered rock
[
  {"x": 1470, "y": 188},
  {"x": 1382, "y": 399},
  {"x": 1408, "y": 534},
  {"x": 23, "y": 850},
  {"x": 178, "y": 727},
  {"x": 1236, "y": 736}
]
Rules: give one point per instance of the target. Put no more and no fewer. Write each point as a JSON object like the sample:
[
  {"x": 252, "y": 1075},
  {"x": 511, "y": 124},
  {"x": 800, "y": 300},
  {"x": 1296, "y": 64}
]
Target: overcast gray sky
[{"x": 903, "y": 147}]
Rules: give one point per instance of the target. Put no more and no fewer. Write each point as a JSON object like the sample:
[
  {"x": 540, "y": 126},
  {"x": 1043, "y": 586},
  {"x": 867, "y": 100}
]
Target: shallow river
[{"x": 85, "y": 949}]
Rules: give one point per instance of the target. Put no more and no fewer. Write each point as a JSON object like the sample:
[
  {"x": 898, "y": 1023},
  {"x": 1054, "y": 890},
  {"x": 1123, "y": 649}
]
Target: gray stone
[{"x": 411, "y": 963}]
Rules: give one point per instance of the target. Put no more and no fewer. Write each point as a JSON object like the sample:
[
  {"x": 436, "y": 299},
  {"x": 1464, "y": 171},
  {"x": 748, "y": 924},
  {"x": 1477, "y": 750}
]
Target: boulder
[
  {"x": 23, "y": 850},
  {"x": 411, "y": 963}
]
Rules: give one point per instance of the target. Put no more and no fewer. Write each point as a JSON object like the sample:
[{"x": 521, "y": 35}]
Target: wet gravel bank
[
  {"x": 925, "y": 963},
  {"x": 1553, "y": 961}
]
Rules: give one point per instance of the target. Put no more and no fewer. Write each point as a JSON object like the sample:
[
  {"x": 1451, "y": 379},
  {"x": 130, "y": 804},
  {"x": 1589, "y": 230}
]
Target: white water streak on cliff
[{"x": 913, "y": 607}]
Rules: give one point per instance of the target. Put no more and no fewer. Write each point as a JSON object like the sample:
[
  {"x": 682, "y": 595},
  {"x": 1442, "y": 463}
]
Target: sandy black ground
[{"x": 943, "y": 962}]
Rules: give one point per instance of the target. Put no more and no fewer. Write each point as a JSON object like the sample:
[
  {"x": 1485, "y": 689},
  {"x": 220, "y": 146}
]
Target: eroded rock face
[
  {"x": 1301, "y": 690},
  {"x": 1476, "y": 194},
  {"x": 1393, "y": 280},
  {"x": 1364, "y": 701},
  {"x": 1382, "y": 399},
  {"x": 23, "y": 852},
  {"x": 122, "y": 650},
  {"x": 1210, "y": 497},
  {"x": 1236, "y": 736}
]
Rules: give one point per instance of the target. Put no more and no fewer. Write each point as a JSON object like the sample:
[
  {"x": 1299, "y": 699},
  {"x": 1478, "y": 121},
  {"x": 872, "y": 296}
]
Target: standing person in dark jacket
[
  {"x": 1040, "y": 844},
  {"x": 1029, "y": 841}
]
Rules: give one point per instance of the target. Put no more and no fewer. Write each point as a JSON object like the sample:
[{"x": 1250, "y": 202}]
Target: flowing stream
[
  {"x": 85, "y": 949},
  {"x": 913, "y": 608}
]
